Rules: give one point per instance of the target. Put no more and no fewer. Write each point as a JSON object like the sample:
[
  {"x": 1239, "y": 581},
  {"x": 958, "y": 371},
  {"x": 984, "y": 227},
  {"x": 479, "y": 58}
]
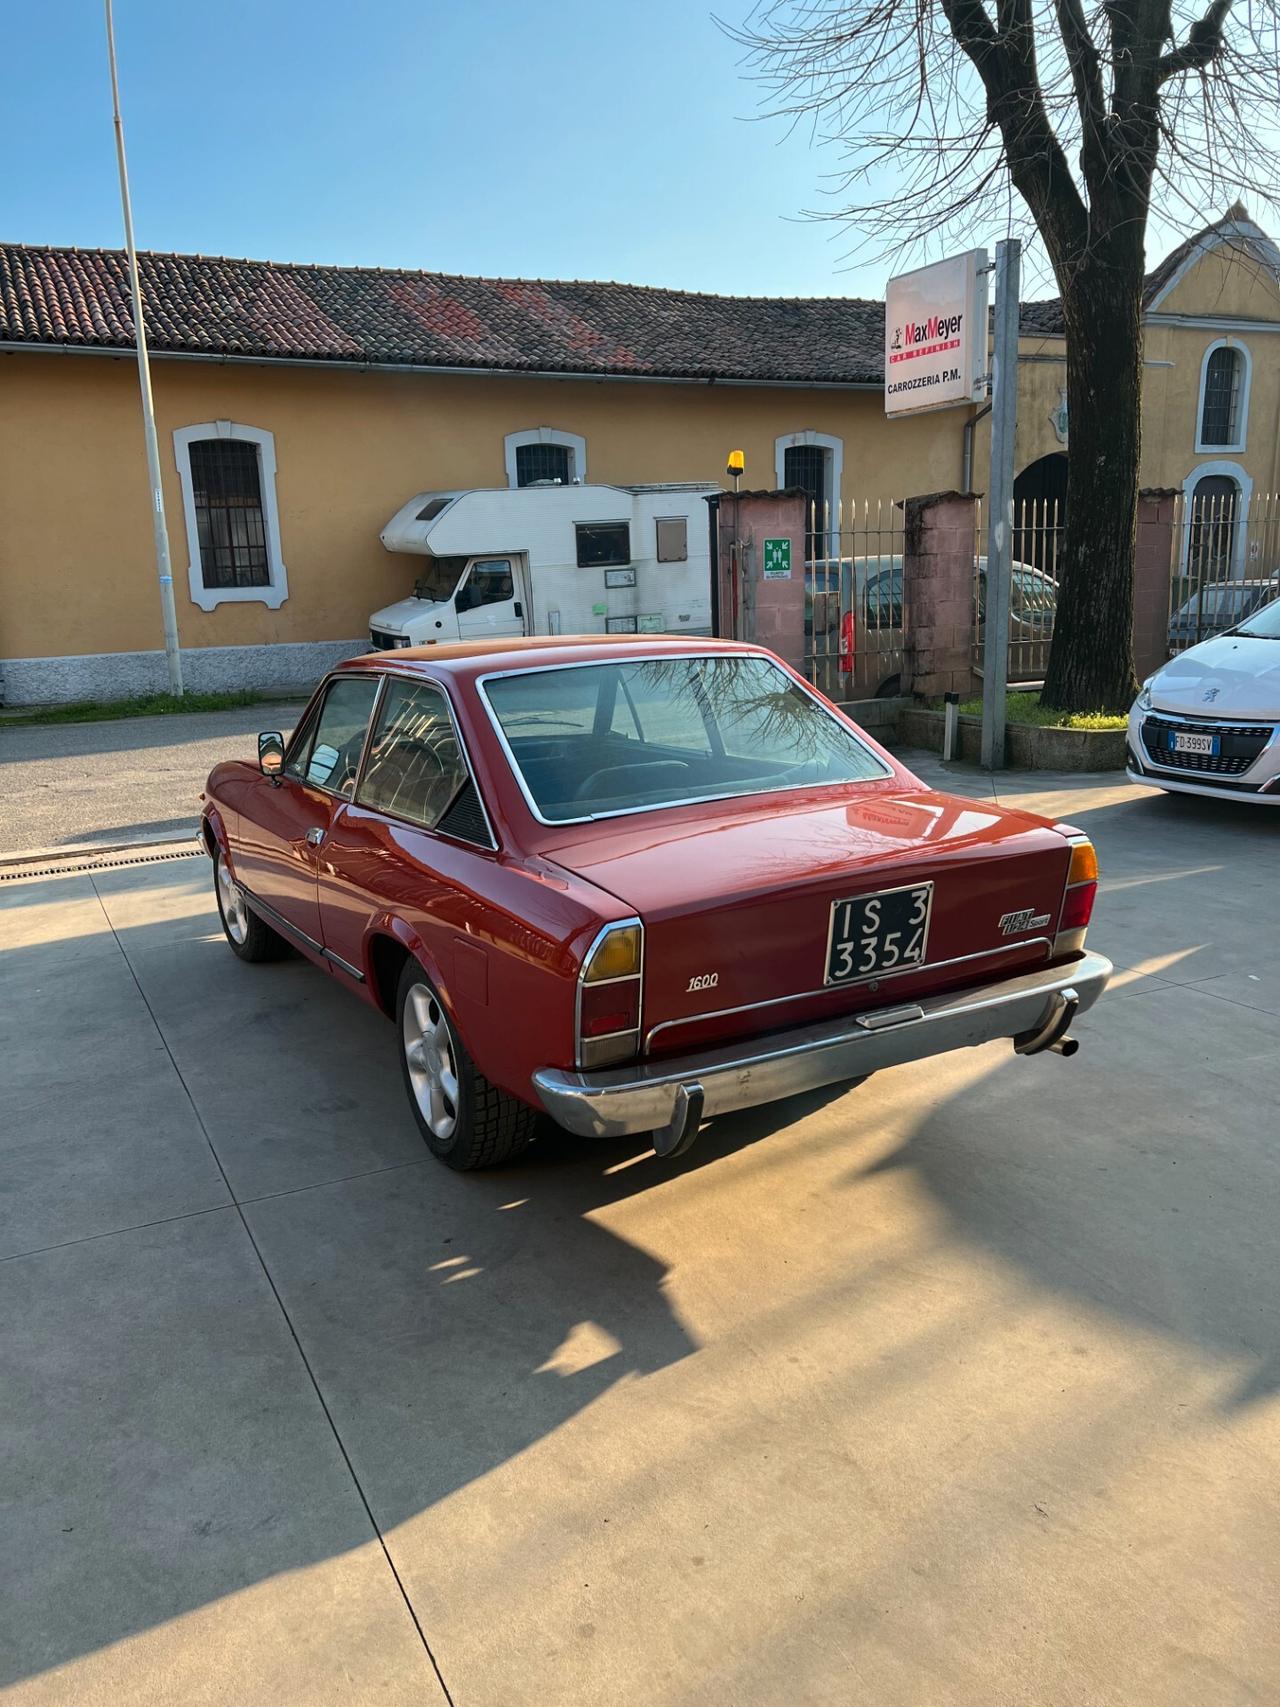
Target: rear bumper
[{"x": 663, "y": 1096}]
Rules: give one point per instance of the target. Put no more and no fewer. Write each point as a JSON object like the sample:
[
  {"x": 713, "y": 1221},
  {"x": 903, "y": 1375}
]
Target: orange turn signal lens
[
  {"x": 617, "y": 955},
  {"x": 1084, "y": 864}
]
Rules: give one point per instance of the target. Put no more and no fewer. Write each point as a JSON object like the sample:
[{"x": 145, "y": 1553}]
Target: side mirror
[{"x": 271, "y": 752}]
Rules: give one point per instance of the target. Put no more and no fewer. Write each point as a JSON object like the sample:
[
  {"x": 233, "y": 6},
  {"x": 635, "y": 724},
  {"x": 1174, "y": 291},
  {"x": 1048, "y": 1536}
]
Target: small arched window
[
  {"x": 228, "y": 476},
  {"x": 545, "y": 456},
  {"x": 1215, "y": 500},
  {"x": 1224, "y": 397}
]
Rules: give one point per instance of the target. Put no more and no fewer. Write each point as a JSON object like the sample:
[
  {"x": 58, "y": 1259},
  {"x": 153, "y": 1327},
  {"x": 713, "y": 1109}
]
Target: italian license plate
[
  {"x": 1183, "y": 742},
  {"x": 878, "y": 933}
]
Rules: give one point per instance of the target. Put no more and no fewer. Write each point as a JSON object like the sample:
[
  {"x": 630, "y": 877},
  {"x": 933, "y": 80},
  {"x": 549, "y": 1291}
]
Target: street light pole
[{"x": 164, "y": 569}]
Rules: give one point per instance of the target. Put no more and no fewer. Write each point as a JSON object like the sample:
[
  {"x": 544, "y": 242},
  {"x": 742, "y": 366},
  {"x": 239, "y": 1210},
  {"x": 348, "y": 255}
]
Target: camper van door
[{"x": 492, "y": 599}]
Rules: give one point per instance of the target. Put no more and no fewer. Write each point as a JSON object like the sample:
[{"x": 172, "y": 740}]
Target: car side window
[
  {"x": 488, "y": 584},
  {"x": 328, "y": 756},
  {"x": 415, "y": 766}
]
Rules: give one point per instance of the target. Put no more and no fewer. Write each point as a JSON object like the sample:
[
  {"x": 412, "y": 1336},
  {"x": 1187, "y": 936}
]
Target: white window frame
[
  {"x": 1244, "y": 486},
  {"x": 835, "y": 450},
  {"x": 276, "y": 591},
  {"x": 574, "y": 443},
  {"x": 1242, "y": 399}
]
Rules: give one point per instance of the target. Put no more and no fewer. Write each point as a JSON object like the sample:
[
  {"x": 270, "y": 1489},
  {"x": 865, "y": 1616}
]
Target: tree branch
[
  {"x": 1090, "y": 93},
  {"x": 1037, "y": 163},
  {"x": 1203, "y": 45}
]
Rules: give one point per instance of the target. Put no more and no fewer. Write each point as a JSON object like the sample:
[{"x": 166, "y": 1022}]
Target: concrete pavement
[
  {"x": 960, "y": 1387},
  {"x": 124, "y": 780}
]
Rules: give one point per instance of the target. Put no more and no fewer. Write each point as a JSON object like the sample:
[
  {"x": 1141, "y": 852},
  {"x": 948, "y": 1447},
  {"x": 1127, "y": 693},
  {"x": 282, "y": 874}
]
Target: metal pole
[
  {"x": 1004, "y": 418},
  {"x": 164, "y": 569},
  {"x": 950, "y": 725}
]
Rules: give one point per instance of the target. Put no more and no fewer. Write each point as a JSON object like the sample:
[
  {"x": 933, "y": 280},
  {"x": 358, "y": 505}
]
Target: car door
[
  {"x": 489, "y": 602},
  {"x": 413, "y": 777},
  {"x": 281, "y": 838}
]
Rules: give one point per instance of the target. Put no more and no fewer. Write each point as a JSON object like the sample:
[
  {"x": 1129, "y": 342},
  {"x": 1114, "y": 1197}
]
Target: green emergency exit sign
[{"x": 777, "y": 559}]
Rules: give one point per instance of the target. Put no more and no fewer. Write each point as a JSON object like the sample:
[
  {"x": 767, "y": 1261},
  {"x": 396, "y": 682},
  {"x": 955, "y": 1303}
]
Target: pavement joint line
[
  {"x": 293, "y": 1332},
  {"x": 233, "y": 1202}
]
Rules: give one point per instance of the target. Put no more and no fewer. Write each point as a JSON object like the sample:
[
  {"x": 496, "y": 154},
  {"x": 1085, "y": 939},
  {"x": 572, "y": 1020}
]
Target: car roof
[{"x": 470, "y": 657}]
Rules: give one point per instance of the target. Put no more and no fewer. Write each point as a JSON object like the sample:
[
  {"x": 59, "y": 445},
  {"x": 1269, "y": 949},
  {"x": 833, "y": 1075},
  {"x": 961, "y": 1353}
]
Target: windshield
[
  {"x": 1264, "y": 624},
  {"x": 604, "y": 738},
  {"x": 438, "y": 578}
]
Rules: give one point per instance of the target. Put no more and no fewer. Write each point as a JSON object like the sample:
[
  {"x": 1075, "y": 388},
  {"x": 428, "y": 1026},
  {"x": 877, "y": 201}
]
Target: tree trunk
[{"x": 1091, "y": 660}]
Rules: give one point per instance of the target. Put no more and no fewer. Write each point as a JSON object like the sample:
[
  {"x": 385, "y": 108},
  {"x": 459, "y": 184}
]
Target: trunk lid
[{"x": 737, "y": 902}]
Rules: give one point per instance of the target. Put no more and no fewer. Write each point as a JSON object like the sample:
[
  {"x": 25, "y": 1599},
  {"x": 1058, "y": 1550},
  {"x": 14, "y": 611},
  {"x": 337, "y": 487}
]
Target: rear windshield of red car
[{"x": 594, "y": 739}]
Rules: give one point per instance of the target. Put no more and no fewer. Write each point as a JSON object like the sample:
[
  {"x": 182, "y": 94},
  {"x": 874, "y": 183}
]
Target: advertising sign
[{"x": 935, "y": 335}]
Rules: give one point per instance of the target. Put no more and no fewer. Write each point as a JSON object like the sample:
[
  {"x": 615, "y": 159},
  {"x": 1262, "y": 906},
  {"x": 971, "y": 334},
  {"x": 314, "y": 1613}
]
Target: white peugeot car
[{"x": 1208, "y": 721}]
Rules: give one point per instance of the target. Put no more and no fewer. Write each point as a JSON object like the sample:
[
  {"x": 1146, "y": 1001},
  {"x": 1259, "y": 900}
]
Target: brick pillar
[
  {"x": 1152, "y": 569},
  {"x": 939, "y": 547},
  {"x": 770, "y": 612}
]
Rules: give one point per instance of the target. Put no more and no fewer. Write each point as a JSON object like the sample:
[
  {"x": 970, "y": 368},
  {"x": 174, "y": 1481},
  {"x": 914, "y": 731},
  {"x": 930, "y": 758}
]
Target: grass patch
[
  {"x": 142, "y": 705},
  {"x": 1026, "y": 708}
]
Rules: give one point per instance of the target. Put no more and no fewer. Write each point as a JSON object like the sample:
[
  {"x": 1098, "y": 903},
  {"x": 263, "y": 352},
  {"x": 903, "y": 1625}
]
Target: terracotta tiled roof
[
  {"x": 199, "y": 304},
  {"x": 207, "y": 305}
]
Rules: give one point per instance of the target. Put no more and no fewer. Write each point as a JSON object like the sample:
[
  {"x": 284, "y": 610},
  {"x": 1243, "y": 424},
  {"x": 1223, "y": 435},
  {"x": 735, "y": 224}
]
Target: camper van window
[
  {"x": 488, "y": 584},
  {"x": 602, "y": 545},
  {"x": 430, "y": 511},
  {"x": 673, "y": 539},
  {"x": 438, "y": 578}
]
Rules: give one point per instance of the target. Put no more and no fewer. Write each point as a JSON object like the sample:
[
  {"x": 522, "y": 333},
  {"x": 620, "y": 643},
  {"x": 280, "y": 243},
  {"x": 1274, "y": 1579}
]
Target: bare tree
[{"x": 942, "y": 109}]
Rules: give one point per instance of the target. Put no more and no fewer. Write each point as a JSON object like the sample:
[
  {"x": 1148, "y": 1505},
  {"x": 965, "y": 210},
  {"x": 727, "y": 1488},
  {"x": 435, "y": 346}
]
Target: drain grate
[{"x": 103, "y": 862}]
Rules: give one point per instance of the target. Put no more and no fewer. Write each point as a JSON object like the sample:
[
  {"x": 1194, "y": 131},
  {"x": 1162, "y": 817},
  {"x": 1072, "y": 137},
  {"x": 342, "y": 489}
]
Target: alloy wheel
[
  {"x": 432, "y": 1064},
  {"x": 234, "y": 912}
]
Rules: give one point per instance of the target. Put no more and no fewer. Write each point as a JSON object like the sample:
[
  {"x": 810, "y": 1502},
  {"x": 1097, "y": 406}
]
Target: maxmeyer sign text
[{"x": 935, "y": 335}]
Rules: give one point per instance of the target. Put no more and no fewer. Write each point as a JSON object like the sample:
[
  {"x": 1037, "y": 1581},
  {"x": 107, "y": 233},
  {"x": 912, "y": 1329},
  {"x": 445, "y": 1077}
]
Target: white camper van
[{"x": 551, "y": 560}]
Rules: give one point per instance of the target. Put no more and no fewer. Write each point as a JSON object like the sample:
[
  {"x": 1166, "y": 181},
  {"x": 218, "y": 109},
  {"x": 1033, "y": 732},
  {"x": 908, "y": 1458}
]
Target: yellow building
[{"x": 299, "y": 407}]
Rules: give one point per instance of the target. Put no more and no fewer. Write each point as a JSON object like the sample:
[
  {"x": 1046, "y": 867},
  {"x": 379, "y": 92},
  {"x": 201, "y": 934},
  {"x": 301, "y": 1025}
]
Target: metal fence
[
  {"x": 1224, "y": 562},
  {"x": 854, "y": 616},
  {"x": 1033, "y": 591}
]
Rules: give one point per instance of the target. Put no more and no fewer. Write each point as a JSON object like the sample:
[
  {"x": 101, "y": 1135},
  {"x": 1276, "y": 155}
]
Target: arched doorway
[{"x": 1040, "y": 511}]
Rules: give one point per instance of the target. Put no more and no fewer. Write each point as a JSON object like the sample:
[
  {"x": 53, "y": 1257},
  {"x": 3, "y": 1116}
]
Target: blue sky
[{"x": 567, "y": 140}]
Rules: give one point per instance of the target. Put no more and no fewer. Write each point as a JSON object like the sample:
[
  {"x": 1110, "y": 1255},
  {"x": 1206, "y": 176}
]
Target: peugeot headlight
[{"x": 1144, "y": 695}]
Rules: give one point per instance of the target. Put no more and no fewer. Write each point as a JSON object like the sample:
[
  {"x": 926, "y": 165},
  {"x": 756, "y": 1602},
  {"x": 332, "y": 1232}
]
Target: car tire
[
  {"x": 249, "y": 937},
  {"x": 465, "y": 1121},
  {"x": 890, "y": 688}
]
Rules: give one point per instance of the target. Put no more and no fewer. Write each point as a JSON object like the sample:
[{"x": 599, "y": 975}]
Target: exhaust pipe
[{"x": 1051, "y": 1033}]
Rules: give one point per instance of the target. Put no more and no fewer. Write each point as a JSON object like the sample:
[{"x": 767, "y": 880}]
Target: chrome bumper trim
[{"x": 654, "y": 1096}]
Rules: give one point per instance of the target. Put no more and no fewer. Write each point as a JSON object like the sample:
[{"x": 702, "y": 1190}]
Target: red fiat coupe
[{"x": 636, "y": 883}]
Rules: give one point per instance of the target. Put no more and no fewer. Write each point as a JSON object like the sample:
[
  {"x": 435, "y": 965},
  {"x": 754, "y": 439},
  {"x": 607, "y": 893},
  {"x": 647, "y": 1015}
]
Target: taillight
[
  {"x": 609, "y": 991},
  {"x": 1077, "y": 909},
  {"x": 848, "y": 641},
  {"x": 1077, "y": 902}
]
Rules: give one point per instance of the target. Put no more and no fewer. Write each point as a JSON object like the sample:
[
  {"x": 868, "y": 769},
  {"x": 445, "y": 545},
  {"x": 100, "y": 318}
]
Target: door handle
[
  {"x": 315, "y": 835},
  {"x": 519, "y": 608}
]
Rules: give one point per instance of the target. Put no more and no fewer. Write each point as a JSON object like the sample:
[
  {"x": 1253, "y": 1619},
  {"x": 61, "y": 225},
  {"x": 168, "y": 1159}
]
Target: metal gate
[
  {"x": 1033, "y": 591},
  {"x": 1225, "y": 560},
  {"x": 854, "y": 615}
]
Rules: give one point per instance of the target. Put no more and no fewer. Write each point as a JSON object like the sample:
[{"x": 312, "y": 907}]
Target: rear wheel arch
[{"x": 387, "y": 957}]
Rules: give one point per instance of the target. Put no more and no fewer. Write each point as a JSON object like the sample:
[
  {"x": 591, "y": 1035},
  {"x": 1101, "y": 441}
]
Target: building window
[
  {"x": 603, "y": 545},
  {"x": 545, "y": 453},
  {"x": 813, "y": 464},
  {"x": 673, "y": 539},
  {"x": 229, "y": 521},
  {"x": 1215, "y": 500},
  {"x": 553, "y": 463},
  {"x": 228, "y": 477},
  {"x": 1224, "y": 397}
]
